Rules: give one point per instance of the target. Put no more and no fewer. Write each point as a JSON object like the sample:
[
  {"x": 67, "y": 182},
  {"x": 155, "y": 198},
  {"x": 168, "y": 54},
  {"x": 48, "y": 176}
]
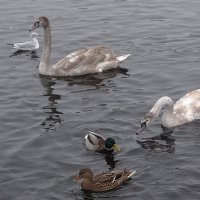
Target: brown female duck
[{"x": 103, "y": 181}]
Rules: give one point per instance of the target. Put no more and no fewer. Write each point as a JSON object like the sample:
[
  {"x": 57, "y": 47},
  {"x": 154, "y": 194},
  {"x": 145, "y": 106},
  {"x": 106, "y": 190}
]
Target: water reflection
[
  {"x": 33, "y": 54},
  {"x": 163, "y": 142},
  {"x": 110, "y": 160},
  {"x": 54, "y": 117},
  {"x": 94, "y": 79},
  {"x": 87, "y": 195}
]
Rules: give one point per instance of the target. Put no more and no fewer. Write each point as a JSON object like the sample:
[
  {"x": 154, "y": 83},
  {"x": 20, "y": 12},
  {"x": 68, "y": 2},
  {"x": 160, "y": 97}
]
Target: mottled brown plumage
[{"x": 103, "y": 181}]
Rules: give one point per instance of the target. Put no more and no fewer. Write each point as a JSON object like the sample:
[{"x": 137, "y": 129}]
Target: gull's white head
[{"x": 34, "y": 34}]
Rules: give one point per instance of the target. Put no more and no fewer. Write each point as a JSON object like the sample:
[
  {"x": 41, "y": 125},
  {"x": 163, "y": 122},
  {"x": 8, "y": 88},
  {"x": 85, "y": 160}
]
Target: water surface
[{"x": 44, "y": 120}]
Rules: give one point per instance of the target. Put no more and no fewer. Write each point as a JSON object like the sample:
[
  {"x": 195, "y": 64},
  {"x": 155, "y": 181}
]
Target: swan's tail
[{"x": 122, "y": 58}]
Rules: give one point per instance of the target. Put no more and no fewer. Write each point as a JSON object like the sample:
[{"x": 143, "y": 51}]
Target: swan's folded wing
[
  {"x": 188, "y": 106},
  {"x": 86, "y": 60}
]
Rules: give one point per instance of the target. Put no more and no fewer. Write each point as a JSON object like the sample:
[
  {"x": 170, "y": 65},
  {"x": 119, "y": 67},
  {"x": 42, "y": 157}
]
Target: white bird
[
  {"x": 29, "y": 45},
  {"x": 183, "y": 111},
  {"x": 84, "y": 61}
]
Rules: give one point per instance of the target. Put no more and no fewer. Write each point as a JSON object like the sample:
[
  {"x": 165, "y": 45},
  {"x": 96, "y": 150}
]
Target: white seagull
[{"x": 29, "y": 45}]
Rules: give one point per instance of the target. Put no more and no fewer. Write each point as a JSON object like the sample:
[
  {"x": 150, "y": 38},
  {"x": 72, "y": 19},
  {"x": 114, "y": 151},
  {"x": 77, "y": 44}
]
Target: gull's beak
[
  {"x": 143, "y": 126},
  {"x": 116, "y": 148},
  {"x": 35, "y": 25}
]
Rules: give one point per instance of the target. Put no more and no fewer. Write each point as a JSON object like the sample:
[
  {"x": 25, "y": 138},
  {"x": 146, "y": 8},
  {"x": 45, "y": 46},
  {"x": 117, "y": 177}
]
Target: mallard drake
[
  {"x": 103, "y": 181},
  {"x": 96, "y": 142}
]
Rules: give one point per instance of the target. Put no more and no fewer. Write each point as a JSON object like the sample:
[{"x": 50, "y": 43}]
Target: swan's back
[
  {"x": 188, "y": 107},
  {"x": 87, "y": 60}
]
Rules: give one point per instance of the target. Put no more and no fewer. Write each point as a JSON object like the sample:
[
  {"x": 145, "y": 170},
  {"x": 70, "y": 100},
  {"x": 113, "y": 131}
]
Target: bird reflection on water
[
  {"x": 32, "y": 54},
  {"x": 110, "y": 160},
  {"x": 94, "y": 80},
  {"x": 54, "y": 117},
  {"x": 163, "y": 142}
]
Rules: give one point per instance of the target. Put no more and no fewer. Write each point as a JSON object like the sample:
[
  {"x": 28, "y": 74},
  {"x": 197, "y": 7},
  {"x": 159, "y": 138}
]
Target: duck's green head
[{"x": 110, "y": 144}]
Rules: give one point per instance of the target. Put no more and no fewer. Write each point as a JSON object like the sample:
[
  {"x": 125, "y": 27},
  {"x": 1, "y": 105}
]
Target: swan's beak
[
  {"x": 116, "y": 148},
  {"x": 143, "y": 126},
  {"x": 35, "y": 25}
]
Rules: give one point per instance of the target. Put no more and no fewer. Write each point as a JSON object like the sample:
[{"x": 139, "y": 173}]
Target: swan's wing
[
  {"x": 188, "y": 107},
  {"x": 88, "y": 60}
]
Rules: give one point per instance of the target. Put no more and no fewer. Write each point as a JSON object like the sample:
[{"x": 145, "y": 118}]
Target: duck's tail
[
  {"x": 122, "y": 58},
  {"x": 131, "y": 174}
]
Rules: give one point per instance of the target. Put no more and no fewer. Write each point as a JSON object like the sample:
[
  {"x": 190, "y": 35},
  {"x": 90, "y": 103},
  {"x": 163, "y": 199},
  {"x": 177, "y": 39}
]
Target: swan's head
[
  {"x": 148, "y": 118},
  {"x": 34, "y": 34},
  {"x": 40, "y": 22}
]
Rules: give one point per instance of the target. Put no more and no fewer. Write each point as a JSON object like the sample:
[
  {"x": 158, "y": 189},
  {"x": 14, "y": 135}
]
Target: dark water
[{"x": 44, "y": 120}]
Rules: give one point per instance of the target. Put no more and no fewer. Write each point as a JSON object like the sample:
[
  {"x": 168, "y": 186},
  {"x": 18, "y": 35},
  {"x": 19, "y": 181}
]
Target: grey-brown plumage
[
  {"x": 185, "y": 110},
  {"x": 84, "y": 61}
]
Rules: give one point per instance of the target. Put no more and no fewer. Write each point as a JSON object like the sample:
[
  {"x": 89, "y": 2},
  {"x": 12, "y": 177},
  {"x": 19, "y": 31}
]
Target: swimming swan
[
  {"x": 183, "y": 111},
  {"x": 83, "y": 61},
  {"x": 29, "y": 45}
]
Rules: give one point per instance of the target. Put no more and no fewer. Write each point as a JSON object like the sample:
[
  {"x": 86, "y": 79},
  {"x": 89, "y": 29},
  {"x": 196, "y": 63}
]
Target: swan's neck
[
  {"x": 44, "y": 63},
  {"x": 166, "y": 103}
]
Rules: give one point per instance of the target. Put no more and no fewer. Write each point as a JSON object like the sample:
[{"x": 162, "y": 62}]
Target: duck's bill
[
  {"x": 35, "y": 25},
  {"x": 116, "y": 148},
  {"x": 76, "y": 178},
  {"x": 142, "y": 127}
]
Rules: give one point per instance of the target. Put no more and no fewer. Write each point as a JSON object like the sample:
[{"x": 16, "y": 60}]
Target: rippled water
[{"x": 44, "y": 120}]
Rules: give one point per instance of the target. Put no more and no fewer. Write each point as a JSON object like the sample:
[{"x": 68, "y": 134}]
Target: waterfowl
[
  {"x": 84, "y": 61},
  {"x": 29, "y": 45},
  {"x": 183, "y": 111},
  {"x": 96, "y": 142},
  {"x": 103, "y": 181}
]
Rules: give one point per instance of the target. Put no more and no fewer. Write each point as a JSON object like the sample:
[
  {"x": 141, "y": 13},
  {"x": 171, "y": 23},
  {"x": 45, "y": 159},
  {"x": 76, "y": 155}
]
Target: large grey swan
[
  {"x": 183, "y": 111},
  {"x": 29, "y": 45},
  {"x": 83, "y": 61}
]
